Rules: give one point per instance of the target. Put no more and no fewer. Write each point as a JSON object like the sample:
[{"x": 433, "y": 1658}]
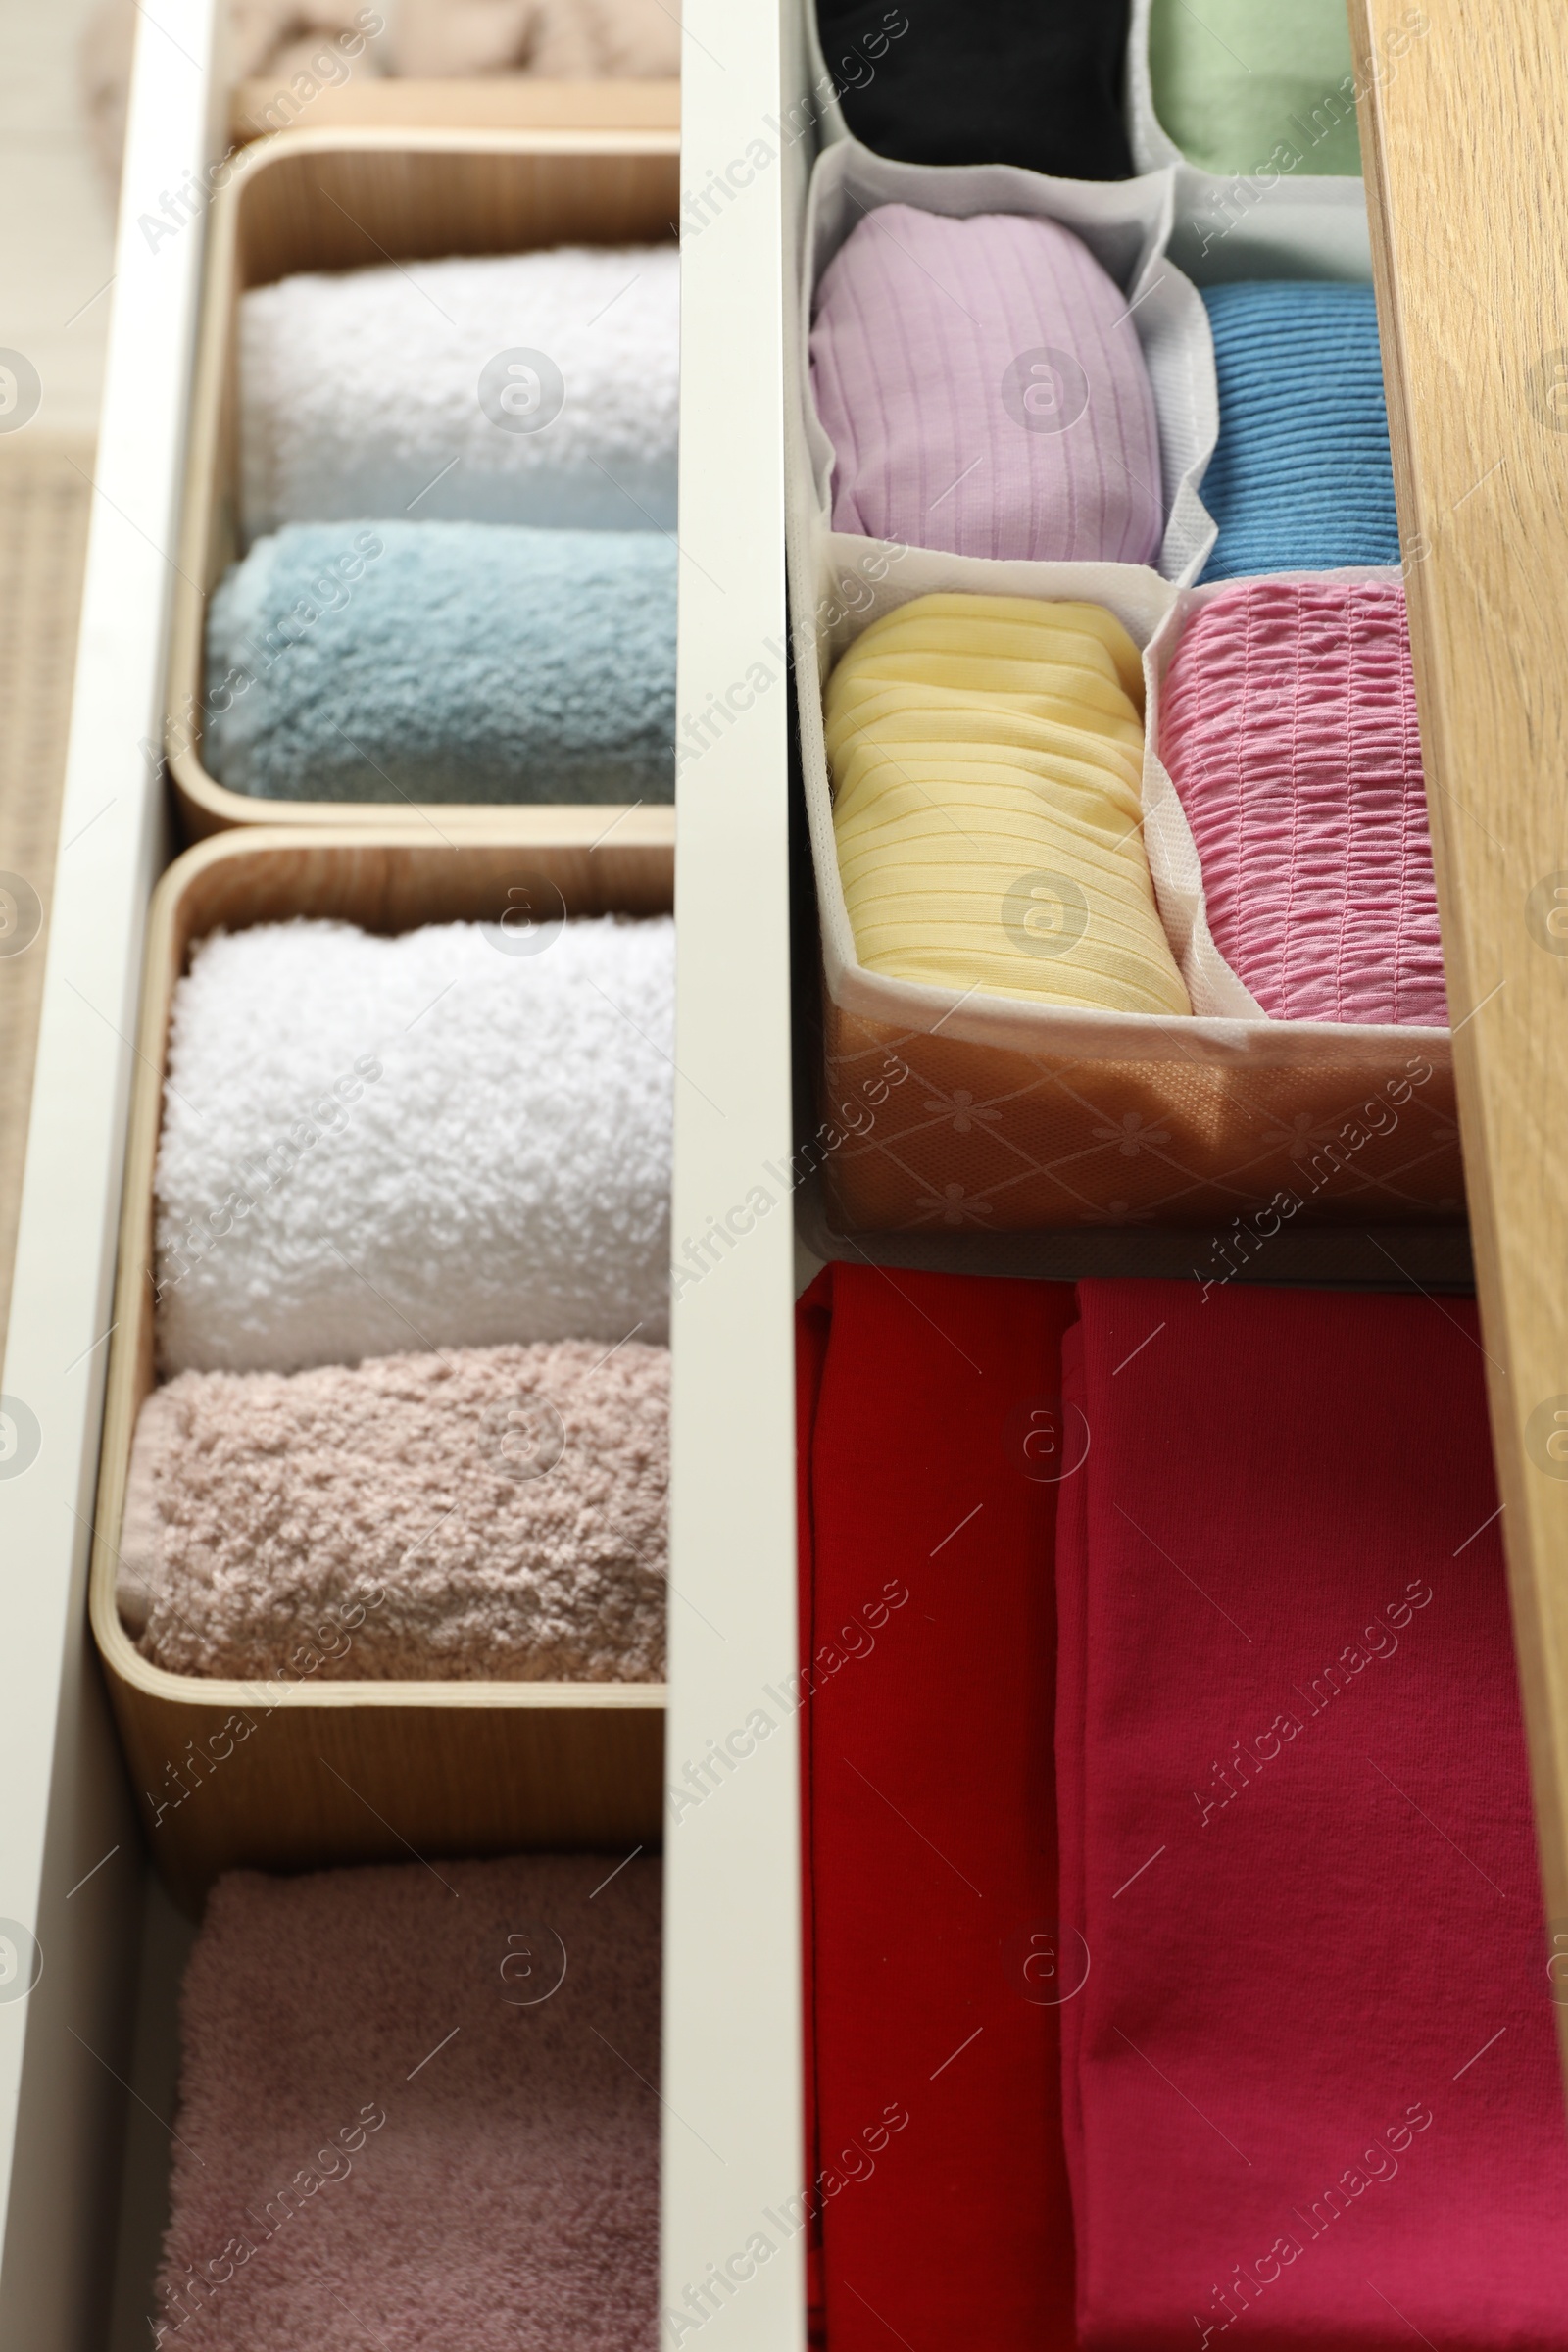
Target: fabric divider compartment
[
  {"x": 1126, "y": 225},
  {"x": 352, "y": 199},
  {"x": 301, "y": 1774},
  {"x": 1279, "y": 219}
]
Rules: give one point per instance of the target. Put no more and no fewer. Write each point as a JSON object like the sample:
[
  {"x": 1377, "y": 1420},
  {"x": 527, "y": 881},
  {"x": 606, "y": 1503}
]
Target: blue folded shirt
[{"x": 1300, "y": 479}]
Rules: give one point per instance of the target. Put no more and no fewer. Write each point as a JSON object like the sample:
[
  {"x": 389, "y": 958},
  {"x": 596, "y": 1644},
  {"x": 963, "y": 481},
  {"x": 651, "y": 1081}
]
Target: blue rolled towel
[
  {"x": 1302, "y": 478},
  {"x": 444, "y": 661}
]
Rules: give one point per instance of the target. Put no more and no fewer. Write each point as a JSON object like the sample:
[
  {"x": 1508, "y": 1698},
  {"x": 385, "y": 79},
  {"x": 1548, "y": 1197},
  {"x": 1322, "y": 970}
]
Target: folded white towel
[
  {"x": 375, "y": 1144},
  {"x": 532, "y": 387}
]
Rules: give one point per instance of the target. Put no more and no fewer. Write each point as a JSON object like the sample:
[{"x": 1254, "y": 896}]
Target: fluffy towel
[
  {"x": 555, "y": 40},
  {"x": 1036, "y": 82},
  {"x": 366, "y": 392},
  {"x": 445, "y": 661},
  {"x": 1288, "y": 724},
  {"x": 374, "y": 1143},
  {"x": 1244, "y": 84},
  {"x": 987, "y": 753},
  {"x": 984, "y": 389},
  {"x": 1311, "y": 2081},
  {"x": 924, "y": 1541},
  {"x": 1300, "y": 479},
  {"x": 495, "y": 1514},
  {"x": 303, "y": 47},
  {"x": 419, "y": 2105}
]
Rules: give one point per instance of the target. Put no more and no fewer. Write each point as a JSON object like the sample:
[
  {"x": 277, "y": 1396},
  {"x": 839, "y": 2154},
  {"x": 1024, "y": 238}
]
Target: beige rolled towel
[{"x": 486, "y": 1514}]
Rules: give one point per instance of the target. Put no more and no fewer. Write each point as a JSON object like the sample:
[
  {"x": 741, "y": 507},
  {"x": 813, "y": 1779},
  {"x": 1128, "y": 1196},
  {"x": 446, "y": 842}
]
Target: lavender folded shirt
[{"x": 985, "y": 392}]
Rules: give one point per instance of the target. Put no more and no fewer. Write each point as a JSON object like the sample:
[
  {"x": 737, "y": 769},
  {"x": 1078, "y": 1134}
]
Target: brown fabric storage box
[
  {"x": 979, "y": 1137},
  {"x": 226, "y": 1775},
  {"x": 348, "y": 200}
]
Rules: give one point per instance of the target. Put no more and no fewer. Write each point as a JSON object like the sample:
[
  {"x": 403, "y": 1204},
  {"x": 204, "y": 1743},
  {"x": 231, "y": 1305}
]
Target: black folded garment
[{"x": 1037, "y": 82}]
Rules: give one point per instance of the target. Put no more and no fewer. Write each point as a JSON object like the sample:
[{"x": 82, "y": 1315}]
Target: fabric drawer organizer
[
  {"x": 949, "y": 1111},
  {"x": 248, "y": 1743}
]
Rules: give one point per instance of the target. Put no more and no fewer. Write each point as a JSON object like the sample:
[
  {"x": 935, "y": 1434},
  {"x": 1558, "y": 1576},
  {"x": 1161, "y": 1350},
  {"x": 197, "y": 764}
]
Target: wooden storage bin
[
  {"x": 339, "y": 1771},
  {"x": 349, "y": 199},
  {"x": 488, "y": 102}
]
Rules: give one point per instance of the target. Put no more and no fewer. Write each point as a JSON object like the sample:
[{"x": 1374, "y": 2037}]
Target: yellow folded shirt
[{"x": 987, "y": 759}]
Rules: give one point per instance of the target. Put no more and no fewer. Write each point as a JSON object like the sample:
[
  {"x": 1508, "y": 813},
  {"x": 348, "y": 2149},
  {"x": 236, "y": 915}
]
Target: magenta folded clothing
[
  {"x": 1287, "y": 726},
  {"x": 984, "y": 389},
  {"x": 419, "y": 2106},
  {"x": 1310, "y": 2076}
]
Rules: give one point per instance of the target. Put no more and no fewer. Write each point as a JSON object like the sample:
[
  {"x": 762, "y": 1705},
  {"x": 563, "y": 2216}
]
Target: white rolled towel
[
  {"x": 533, "y": 387},
  {"x": 373, "y": 1145}
]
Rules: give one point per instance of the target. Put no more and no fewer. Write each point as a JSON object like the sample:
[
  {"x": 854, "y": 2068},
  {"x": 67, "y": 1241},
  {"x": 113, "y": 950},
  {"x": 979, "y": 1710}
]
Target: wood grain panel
[
  {"x": 498, "y": 102},
  {"x": 237, "y": 1786},
  {"x": 1468, "y": 190}
]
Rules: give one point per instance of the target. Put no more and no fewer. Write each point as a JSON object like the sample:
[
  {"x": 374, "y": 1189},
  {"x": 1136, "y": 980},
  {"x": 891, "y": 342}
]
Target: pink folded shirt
[
  {"x": 1310, "y": 2076},
  {"x": 984, "y": 389},
  {"x": 1287, "y": 726}
]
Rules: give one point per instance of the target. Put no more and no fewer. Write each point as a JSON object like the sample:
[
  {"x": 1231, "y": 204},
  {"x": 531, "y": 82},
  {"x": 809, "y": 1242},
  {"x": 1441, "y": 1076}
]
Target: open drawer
[{"x": 86, "y": 2079}]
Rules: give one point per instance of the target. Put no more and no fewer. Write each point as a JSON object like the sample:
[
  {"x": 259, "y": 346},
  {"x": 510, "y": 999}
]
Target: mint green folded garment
[{"x": 1234, "y": 80}]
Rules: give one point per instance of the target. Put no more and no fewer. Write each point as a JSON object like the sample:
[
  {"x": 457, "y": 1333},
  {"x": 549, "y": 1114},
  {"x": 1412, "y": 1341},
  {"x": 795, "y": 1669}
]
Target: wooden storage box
[
  {"x": 347, "y": 200},
  {"x": 338, "y": 1771},
  {"x": 488, "y": 102}
]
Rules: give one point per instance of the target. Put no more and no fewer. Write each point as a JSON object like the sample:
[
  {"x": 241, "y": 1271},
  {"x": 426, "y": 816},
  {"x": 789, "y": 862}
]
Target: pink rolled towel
[
  {"x": 1287, "y": 726},
  {"x": 418, "y": 2107},
  {"x": 984, "y": 389},
  {"x": 492, "y": 1513}
]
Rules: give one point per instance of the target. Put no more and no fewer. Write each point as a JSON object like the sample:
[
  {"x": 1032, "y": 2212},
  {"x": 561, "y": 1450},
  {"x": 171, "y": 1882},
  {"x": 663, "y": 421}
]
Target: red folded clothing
[
  {"x": 931, "y": 1413},
  {"x": 1311, "y": 2082}
]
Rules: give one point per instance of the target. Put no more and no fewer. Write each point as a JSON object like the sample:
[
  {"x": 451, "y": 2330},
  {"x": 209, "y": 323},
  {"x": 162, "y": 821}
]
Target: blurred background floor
[
  {"x": 56, "y": 257},
  {"x": 56, "y": 224}
]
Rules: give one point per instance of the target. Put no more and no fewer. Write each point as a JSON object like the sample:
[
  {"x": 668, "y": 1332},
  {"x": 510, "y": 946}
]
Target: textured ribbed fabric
[
  {"x": 984, "y": 389},
  {"x": 1237, "y": 82},
  {"x": 1288, "y": 724},
  {"x": 445, "y": 661},
  {"x": 928, "y": 1507},
  {"x": 1036, "y": 82},
  {"x": 987, "y": 753},
  {"x": 1300, "y": 479},
  {"x": 1310, "y": 2079}
]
